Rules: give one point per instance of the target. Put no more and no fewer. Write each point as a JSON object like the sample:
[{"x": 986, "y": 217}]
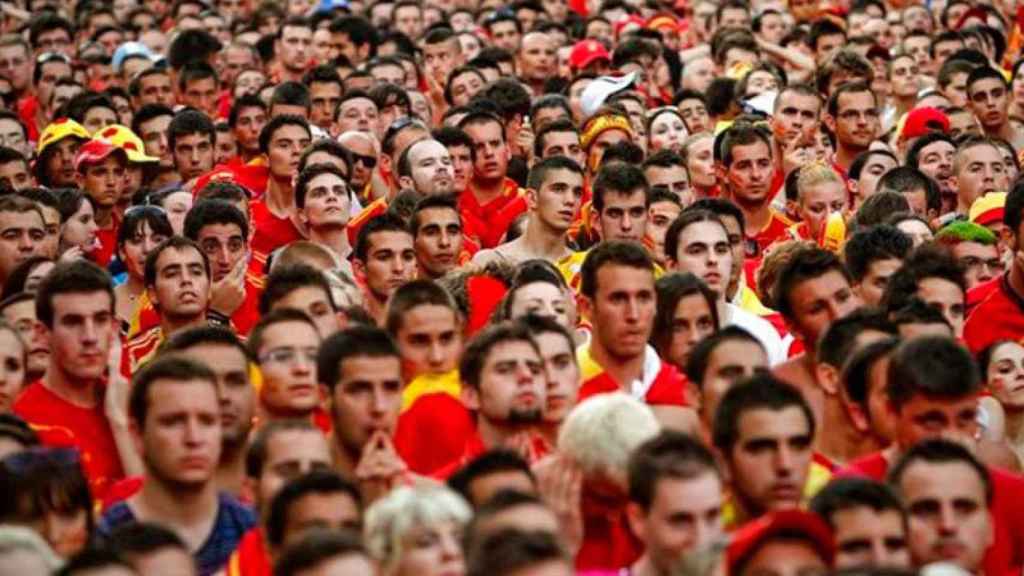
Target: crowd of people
[{"x": 555, "y": 287}]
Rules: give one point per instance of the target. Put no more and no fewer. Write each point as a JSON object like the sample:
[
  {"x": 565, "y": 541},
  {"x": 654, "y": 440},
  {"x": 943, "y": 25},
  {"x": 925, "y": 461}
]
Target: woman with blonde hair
[{"x": 417, "y": 531}]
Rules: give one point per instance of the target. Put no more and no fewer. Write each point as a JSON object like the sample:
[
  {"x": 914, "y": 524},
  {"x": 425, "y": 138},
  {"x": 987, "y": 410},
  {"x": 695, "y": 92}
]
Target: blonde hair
[
  {"x": 690, "y": 141},
  {"x": 601, "y": 433},
  {"x": 814, "y": 174},
  {"x": 390, "y": 519}
]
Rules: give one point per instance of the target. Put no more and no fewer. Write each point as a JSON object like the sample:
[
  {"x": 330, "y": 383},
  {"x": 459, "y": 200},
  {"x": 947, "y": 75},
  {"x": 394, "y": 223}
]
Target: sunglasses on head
[
  {"x": 22, "y": 462},
  {"x": 368, "y": 161}
]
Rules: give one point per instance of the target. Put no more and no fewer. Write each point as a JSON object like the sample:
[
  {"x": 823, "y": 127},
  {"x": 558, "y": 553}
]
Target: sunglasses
[
  {"x": 23, "y": 462},
  {"x": 368, "y": 161}
]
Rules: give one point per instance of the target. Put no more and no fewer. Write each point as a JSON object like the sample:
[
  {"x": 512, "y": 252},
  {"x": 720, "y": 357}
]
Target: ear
[
  {"x": 303, "y": 216},
  {"x": 41, "y": 332},
  {"x": 586, "y": 306},
  {"x": 1008, "y": 237},
  {"x": 720, "y": 172},
  {"x": 406, "y": 183},
  {"x": 595, "y": 221},
  {"x": 830, "y": 122},
  {"x": 828, "y": 378},
  {"x": 385, "y": 163},
  {"x": 470, "y": 397},
  {"x": 79, "y": 178},
  {"x": 532, "y": 199},
  {"x": 359, "y": 270},
  {"x": 635, "y": 517},
  {"x": 151, "y": 294}
]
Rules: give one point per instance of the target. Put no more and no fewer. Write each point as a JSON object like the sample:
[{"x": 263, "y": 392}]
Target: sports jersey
[
  {"x": 661, "y": 384},
  {"x": 60, "y": 423},
  {"x": 490, "y": 221},
  {"x": 1000, "y": 316},
  {"x": 270, "y": 234},
  {"x": 775, "y": 230}
]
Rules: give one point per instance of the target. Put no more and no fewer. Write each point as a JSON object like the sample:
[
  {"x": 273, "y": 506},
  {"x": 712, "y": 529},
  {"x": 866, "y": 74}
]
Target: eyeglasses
[
  {"x": 289, "y": 356},
  {"x": 368, "y": 161},
  {"x": 22, "y": 462}
]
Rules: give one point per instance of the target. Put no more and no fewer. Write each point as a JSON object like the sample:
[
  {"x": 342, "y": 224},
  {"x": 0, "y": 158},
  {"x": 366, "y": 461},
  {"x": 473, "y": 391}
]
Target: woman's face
[
  {"x": 65, "y": 532},
  {"x": 432, "y": 551},
  {"x": 691, "y": 323},
  {"x": 135, "y": 249},
  {"x": 760, "y": 81},
  {"x": 249, "y": 82},
  {"x": 36, "y": 275},
  {"x": 12, "y": 368},
  {"x": 667, "y": 131},
  {"x": 542, "y": 299},
  {"x": 80, "y": 229},
  {"x": 701, "y": 163},
  {"x": 1005, "y": 375},
  {"x": 177, "y": 206}
]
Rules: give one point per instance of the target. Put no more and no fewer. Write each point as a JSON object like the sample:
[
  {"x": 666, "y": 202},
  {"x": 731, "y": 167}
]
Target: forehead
[
  {"x": 10, "y": 218},
  {"x": 754, "y": 150},
  {"x": 941, "y": 480},
  {"x": 81, "y": 302},
  {"x": 389, "y": 240},
  {"x": 484, "y": 130},
  {"x": 983, "y": 151},
  {"x": 326, "y": 179},
  {"x": 938, "y": 146},
  {"x": 702, "y": 231},
  {"x": 562, "y": 175},
  {"x": 289, "y": 331},
  {"x": 371, "y": 367},
  {"x": 166, "y": 395},
  {"x": 737, "y": 351},
  {"x": 509, "y": 350},
  {"x": 854, "y": 99},
  {"x": 219, "y": 229},
  {"x": 986, "y": 84},
  {"x": 289, "y": 131},
  {"x": 764, "y": 421},
  {"x": 427, "y": 149},
  {"x": 185, "y": 254},
  {"x": 438, "y": 214},
  {"x": 618, "y": 277},
  {"x": 221, "y": 352}
]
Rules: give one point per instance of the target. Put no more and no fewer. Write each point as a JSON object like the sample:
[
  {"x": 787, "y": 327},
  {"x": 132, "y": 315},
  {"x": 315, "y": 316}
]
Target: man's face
[
  {"x": 563, "y": 144},
  {"x": 226, "y": 149},
  {"x": 563, "y": 375},
  {"x": 438, "y": 241},
  {"x": 22, "y": 236},
  {"x": 936, "y": 161},
  {"x": 685, "y": 515},
  {"x": 868, "y": 537},
  {"x": 465, "y": 86},
  {"x": 462, "y": 166},
  {"x": 981, "y": 262},
  {"x": 947, "y": 297},
  {"x": 366, "y": 399},
  {"x": 623, "y": 309},
  {"x": 15, "y": 175},
  {"x": 327, "y": 204},
  {"x": 22, "y": 316},
  {"x": 358, "y": 114},
  {"x": 856, "y": 121},
  {"x": 317, "y": 304},
  {"x": 356, "y": 54},
  {"x": 536, "y": 57},
  {"x": 818, "y": 302},
  {"x": 224, "y": 247},
  {"x": 12, "y": 135},
  {"x": 956, "y": 91},
  {"x": 431, "y": 167},
  {"x": 233, "y": 61},
  {"x": 796, "y": 116},
  {"x": 558, "y": 200},
  {"x": 56, "y": 40},
  {"x": 903, "y": 77},
  {"x": 659, "y": 217},
  {"x": 429, "y": 340},
  {"x": 988, "y": 99},
  {"x": 491, "y": 162},
  {"x": 286, "y": 146},
  {"x": 323, "y": 511},
  {"x": 388, "y": 74},
  {"x": 83, "y": 328},
  {"x": 512, "y": 387},
  {"x": 675, "y": 178},
  {"x": 704, "y": 251},
  {"x": 287, "y": 359},
  {"x": 409, "y": 21},
  {"x": 390, "y": 262},
  {"x": 202, "y": 95},
  {"x": 440, "y": 59},
  {"x": 104, "y": 181},
  {"x": 872, "y": 286},
  {"x": 180, "y": 439},
  {"x": 99, "y": 117},
  {"x": 506, "y": 36},
  {"x": 826, "y": 46},
  {"x": 876, "y": 167},
  {"x": 949, "y": 519},
  {"x": 323, "y": 50},
  {"x": 16, "y": 67},
  {"x": 182, "y": 287},
  {"x": 624, "y": 216},
  {"x": 154, "y": 139},
  {"x": 979, "y": 170},
  {"x": 290, "y": 454},
  {"x": 193, "y": 155},
  {"x": 51, "y": 72},
  {"x": 925, "y": 418},
  {"x": 235, "y": 392},
  {"x": 750, "y": 174},
  {"x": 769, "y": 462},
  {"x": 325, "y": 97},
  {"x": 295, "y": 47}
]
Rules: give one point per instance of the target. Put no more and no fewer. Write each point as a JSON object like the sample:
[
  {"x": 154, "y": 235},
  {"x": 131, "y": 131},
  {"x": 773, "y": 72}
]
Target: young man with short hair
[
  {"x": 492, "y": 473},
  {"x": 191, "y": 137},
  {"x": 558, "y": 350},
  {"x": 304, "y": 288},
  {"x": 75, "y": 308},
  {"x": 676, "y": 499},
  {"x": 492, "y": 200},
  {"x": 175, "y": 422},
  {"x": 620, "y": 202},
  {"x": 867, "y": 521},
  {"x": 978, "y": 169},
  {"x": 975, "y": 249},
  {"x": 718, "y": 362},
  {"x": 872, "y": 256},
  {"x": 19, "y": 310},
  {"x": 323, "y": 199},
  {"x": 931, "y": 274},
  {"x": 14, "y": 171},
  {"x": 326, "y": 550},
  {"x": 764, "y": 431},
  {"x": 988, "y": 96},
  {"x": 284, "y": 344},
  {"x": 247, "y": 118},
  {"x": 318, "y": 500},
  {"x": 425, "y": 166},
  {"x": 177, "y": 278},
  {"x": 854, "y": 117},
  {"x": 384, "y": 258},
  {"x": 438, "y": 238},
  {"x": 100, "y": 172},
  {"x": 22, "y": 233},
  {"x": 224, "y": 353},
  {"x": 151, "y": 123},
  {"x": 152, "y": 549},
  {"x": 554, "y": 192},
  {"x": 280, "y": 451}
]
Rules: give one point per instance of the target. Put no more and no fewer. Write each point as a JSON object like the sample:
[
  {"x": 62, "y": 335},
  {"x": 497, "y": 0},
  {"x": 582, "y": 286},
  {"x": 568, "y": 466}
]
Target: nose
[
  {"x": 784, "y": 461},
  {"x": 947, "y": 520},
  {"x": 25, "y": 243}
]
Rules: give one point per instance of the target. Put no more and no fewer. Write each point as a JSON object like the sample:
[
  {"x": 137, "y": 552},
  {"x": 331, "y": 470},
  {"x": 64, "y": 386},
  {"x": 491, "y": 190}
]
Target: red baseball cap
[
  {"x": 96, "y": 151},
  {"x": 921, "y": 121},
  {"x": 751, "y": 536},
  {"x": 586, "y": 52}
]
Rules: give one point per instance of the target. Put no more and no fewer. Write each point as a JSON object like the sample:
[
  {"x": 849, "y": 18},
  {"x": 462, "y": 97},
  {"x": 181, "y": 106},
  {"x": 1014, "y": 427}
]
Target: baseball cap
[
  {"x": 921, "y": 121},
  {"x": 595, "y": 94},
  {"x": 128, "y": 50},
  {"x": 988, "y": 209},
  {"x": 663, "y": 21},
  {"x": 749, "y": 538},
  {"x": 58, "y": 130},
  {"x": 95, "y": 151},
  {"x": 586, "y": 52},
  {"x": 125, "y": 139}
]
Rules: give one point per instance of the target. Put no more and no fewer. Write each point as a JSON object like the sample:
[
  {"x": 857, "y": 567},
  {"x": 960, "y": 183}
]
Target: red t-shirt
[
  {"x": 62, "y": 424},
  {"x": 776, "y": 230},
  {"x": 1006, "y": 555},
  {"x": 271, "y": 233},
  {"x": 108, "y": 243},
  {"x": 1000, "y": 316},
  {"x": 431, "y": 433},
  {"x": 248, "y": 314},
  {"x": 27, "y": 108},
  {"x": 489, "y": 222}
]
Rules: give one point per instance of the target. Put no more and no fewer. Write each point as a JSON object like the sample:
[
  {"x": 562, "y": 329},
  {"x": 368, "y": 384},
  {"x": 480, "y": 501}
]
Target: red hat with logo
[
  {"x": 96, "y": 151},
  {"x": 921, "y": 121},
  {"x": 789, "y": 523},
  {"x": 586, "y": 52}
]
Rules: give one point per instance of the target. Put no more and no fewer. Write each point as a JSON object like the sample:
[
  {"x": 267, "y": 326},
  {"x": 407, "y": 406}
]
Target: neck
[
  {"x": 231, "y": 470},
  {"x": 280, "y": 198},
  {"x": 333, "y": 237},
  {"x": 104, "y": 217},
  {"x": 184, "y": 507},
  {"x": 622, "y": 370},
  {"x": 845, "y": 155},
  {"x": 170, "y": 325},
  {"x": 703, "y": 191},
  {"x": 485, "y": 191},
  {"x": 756, "y": 216},
  {"x": 840, "y": 441},
  {"x": 645, "y": 567},
  {"x": 345, "y": 462},
  {"x": 1015, "y": 426},
  {"x": 81, "y": 393},
  {"x": 903, "y": 104},
  {"x": 541, "y": 241}
]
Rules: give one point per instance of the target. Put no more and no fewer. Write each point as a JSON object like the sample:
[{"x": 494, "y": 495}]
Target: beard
[{"x": 519, "y": 416}]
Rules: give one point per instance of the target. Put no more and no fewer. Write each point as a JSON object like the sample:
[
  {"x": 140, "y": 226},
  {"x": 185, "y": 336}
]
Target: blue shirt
[{"x": 234, "y": 519}]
